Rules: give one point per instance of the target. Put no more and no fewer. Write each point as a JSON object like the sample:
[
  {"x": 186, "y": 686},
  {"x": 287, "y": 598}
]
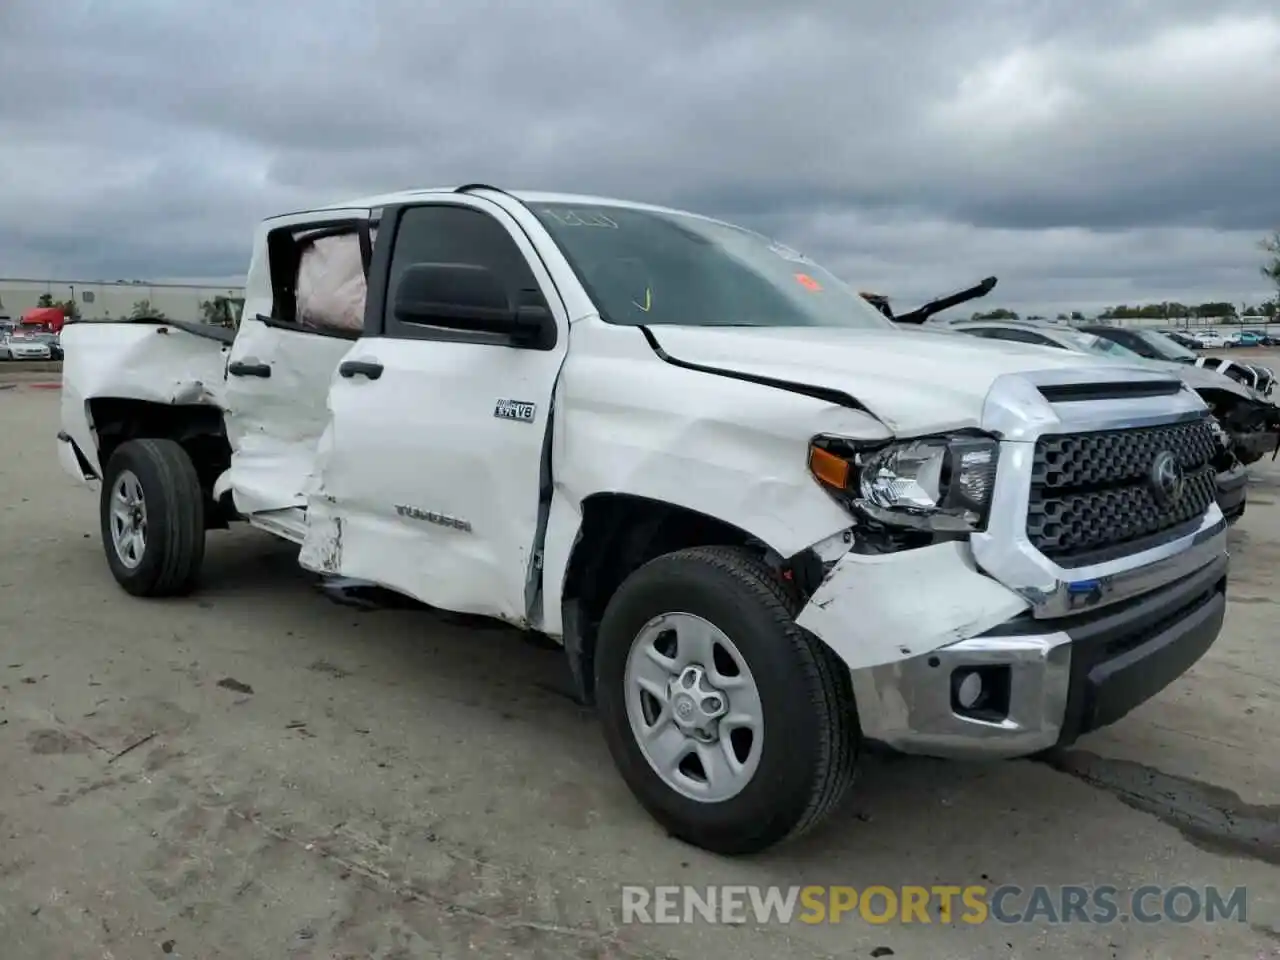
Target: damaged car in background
[
  {"x": 1157, "y": 345},
  {"x": 693, "y": 458},
  {"x": 1247, "y": 425},
  {"x": 1249, "y": 415},
  {"x": 1238, "y": 394}
]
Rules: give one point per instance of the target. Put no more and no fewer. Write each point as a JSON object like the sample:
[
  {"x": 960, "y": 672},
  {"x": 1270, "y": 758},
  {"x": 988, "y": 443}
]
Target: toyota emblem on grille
[{"x": 1166, "y": 478}]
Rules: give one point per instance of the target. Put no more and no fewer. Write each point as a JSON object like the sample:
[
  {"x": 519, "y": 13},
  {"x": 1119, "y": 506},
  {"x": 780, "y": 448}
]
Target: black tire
[
  {"x": 811, "y": 733},
  {"x": 174, "y": 551}
]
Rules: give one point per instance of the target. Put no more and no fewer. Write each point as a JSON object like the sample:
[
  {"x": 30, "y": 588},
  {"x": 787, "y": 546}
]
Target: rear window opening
[{"x": 319, "y": 276}]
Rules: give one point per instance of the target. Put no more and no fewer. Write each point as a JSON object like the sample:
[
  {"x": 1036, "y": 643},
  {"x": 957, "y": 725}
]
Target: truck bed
[{"x": 169, "y": 362}]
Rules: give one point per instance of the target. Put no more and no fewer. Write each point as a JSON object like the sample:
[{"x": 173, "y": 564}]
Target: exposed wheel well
[
  {"x": 196, "y": 427},
  {"x": 619, "y": 534}
]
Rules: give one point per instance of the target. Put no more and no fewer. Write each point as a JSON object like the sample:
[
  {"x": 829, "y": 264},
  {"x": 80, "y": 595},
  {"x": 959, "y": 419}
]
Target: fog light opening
[
  {"x": 969, "y": 690},
  {"x": 981, "y": 693}
]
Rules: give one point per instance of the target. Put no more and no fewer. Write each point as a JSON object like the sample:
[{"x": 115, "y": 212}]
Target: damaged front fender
[{"x": 876, "y": 609}]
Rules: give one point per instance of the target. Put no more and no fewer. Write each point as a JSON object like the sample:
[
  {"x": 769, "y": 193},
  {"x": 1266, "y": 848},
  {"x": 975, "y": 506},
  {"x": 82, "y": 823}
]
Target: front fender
[{"x": 728, "y": 449}]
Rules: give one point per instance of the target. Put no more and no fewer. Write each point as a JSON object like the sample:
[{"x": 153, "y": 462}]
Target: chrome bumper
[{"x": 1051, "y": 685}]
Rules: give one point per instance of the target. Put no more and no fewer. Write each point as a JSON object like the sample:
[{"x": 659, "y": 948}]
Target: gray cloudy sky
[{"x": 1085, "y": 152}]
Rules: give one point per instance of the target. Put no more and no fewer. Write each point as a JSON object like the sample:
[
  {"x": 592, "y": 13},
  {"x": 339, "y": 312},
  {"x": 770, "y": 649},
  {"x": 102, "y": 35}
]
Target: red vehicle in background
[
  {"x": 36, "y": 336},
  {"x": 49, "y": 319}
]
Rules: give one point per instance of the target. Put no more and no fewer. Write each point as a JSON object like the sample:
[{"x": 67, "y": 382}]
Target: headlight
[{"x": 942, "y": 484}]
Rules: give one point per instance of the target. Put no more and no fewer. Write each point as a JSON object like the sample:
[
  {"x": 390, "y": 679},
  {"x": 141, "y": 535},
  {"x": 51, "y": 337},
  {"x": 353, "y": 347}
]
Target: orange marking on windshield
[{"x": 808, "y": 282}]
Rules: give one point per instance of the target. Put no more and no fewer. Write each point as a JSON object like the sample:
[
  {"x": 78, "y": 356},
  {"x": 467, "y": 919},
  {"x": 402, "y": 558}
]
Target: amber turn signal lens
[{"x": 827, "y": 467}]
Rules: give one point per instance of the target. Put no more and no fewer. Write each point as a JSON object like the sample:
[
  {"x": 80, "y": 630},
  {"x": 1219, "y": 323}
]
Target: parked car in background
[
  {"x": 1181, "y": 338},
  {"x": 1209, "y": 339},
  {"x": 1144, "y": 341},
  {"x": 1243, "y": 338},
  {"x": 1248, "y": 425},
  {"x": 1266, "y": 379},
  {"x": 1255, "y": 375},
  {"x": 1263, "y": 338},
  {"x": 1155, "y": 345},
  {"x": 53, "y": 341},
  {"x": 26, "y": 346}
]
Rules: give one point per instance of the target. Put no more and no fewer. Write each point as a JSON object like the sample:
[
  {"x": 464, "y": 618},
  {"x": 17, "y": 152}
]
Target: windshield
[
  {"x": 653, "y": 267},
  {"x": 1100, "y": 345},
  {"x": 1166, "y": 347}
]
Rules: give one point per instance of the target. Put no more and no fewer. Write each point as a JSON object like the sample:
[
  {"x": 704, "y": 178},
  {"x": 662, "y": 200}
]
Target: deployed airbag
[{"x": 331, "y": 287}]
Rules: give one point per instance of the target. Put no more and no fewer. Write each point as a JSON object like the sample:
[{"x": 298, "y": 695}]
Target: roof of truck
[{"x": 525, "y": 196}]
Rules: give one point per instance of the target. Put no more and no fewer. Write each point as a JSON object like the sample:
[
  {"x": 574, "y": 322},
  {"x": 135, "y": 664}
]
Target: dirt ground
[{"x": 257, "y": 772}]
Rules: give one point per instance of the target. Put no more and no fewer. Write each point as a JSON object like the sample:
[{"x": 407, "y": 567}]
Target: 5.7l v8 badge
[{"x": 515, "y": 410}]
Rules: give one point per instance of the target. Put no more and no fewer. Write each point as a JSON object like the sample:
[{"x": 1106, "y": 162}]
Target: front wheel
[
  {"x": 152, "y": 514},
  {"x": 733, "y": 727}
]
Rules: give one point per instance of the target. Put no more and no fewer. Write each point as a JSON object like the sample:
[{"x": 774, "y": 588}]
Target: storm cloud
[{"x": 1086, "y": 153}]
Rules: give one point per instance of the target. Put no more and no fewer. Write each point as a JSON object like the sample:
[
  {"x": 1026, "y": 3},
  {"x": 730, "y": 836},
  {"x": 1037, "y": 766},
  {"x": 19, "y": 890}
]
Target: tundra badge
[
  {"x": 431, "y": 516},
  {"x": 515, "y": 410}
]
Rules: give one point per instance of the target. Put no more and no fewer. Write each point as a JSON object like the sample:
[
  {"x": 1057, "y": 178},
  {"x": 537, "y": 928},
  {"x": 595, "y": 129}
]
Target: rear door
[
  {"x": 436, "y": 474},
  {"x": 279, "y": 368}
]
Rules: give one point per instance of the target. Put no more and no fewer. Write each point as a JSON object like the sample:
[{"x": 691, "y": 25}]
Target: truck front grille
[{"x": 1094, "y": 496}]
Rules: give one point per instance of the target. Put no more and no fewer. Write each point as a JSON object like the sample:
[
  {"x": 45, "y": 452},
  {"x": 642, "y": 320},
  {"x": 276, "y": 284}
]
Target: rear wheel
[
  {"x": 152, "y": 516},
  {"x": 733, "y": 727}
]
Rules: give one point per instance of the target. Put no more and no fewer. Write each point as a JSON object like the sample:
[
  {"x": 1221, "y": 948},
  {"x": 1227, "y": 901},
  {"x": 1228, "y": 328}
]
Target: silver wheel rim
[
  {"x": 128, "y": 519},
  {"x": 694, "y": 707}
]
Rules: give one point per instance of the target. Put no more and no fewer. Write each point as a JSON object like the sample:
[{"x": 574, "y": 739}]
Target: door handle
[
  {"x": 238, "y": 368},
  {"x": 365, "y": 368}
]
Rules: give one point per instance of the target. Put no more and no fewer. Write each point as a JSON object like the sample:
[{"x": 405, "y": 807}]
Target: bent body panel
[{"x": 158, "y": 363}]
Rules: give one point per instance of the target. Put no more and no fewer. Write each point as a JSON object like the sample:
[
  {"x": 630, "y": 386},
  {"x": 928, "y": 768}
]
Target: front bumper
[
  {"x": 1058, "y": 649},
  {"x": 1052, "y": 680}
]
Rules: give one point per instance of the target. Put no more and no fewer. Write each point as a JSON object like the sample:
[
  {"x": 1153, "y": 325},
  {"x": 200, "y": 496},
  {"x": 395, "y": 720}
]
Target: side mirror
[{"x": 468, "y": 297}]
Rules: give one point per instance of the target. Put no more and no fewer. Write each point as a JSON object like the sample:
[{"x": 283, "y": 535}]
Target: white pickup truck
[{"x": 767, "y": 526}]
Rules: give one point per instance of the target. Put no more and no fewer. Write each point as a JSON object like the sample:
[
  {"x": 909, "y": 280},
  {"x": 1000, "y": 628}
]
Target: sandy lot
[{"x": 256, "y": 772}]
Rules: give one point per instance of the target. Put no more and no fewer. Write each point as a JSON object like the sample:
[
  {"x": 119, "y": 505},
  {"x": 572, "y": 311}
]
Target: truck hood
[{"x": 914, "y": 381}]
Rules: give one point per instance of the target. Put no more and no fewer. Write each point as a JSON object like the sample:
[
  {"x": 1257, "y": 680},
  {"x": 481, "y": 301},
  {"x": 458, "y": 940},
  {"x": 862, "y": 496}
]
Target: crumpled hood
[{"x": 915, "y": 381}]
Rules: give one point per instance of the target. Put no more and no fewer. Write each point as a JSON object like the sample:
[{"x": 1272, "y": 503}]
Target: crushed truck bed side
[{"x": 157, "y": 362}]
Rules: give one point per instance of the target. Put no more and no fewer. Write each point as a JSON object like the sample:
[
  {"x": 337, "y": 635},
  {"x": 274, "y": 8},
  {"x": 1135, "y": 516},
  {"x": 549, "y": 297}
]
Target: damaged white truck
[{"x": 767, "y": 526}]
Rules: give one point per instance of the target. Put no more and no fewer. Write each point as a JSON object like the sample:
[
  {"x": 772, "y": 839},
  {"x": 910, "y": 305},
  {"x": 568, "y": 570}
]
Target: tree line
[
  {"x": 1217, "y": 310},
  {"x": 1222, "y": 311}
]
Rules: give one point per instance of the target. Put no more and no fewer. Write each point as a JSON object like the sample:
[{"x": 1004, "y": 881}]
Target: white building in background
[{"x": 99, "y": 300}]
